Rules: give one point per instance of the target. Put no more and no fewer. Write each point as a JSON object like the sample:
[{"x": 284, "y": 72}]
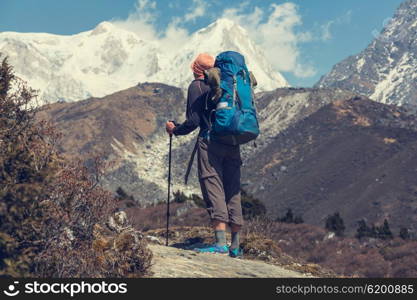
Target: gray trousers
[{"x": 219, "y": 177}]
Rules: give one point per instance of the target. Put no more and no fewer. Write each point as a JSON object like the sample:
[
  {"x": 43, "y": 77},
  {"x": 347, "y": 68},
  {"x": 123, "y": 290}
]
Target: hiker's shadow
[{"x": 190, "y": 244}]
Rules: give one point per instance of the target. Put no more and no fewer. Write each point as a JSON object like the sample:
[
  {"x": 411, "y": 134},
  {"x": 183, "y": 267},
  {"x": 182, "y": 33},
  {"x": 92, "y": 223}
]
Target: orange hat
[{"x": 203, "y": 62}]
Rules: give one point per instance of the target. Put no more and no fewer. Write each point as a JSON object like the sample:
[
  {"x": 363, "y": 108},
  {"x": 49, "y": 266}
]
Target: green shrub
[
  {"x": 251, "y": 207},
  {"x": 335, "y": 224},
  {"x": 404, "y": 233},
  {"x": 289, "y": 218},
  {"x": 382, "y": 232},
  {"x": 180, "y": 197},
  {"x": 198, "y": 201}
]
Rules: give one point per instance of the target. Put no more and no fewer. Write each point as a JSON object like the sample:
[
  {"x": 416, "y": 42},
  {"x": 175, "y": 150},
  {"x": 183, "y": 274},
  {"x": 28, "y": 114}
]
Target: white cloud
[
  {"x": 174, "y": 36},
  {"x": 236, "y": 14},
  {"x": 196, "y": 11},
  {"x": 326, "y": 33},
  {"x": 275, "y": 32},
  {"x": 275, "y": 29},
  {"x": 304, "y": 70},
  {"x": 141, "y": 20}
]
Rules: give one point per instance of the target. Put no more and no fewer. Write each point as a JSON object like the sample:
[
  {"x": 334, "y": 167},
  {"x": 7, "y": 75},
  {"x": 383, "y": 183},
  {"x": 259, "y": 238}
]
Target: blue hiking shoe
[
  {"x": 213, "y": 249},
  {"x": 236, "y": 252}
]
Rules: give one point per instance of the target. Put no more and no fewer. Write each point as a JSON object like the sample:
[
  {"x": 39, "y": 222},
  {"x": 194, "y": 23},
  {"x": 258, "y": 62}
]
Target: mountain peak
[
  {"x": 385, "y": 70},
  {"x": 224, "y": 22},
  {"x": 224, "y": 25},
  {"x": 109, "y": 58},
  {"x": 410, "y": 4},
  {"x": 102, "y": 28}
]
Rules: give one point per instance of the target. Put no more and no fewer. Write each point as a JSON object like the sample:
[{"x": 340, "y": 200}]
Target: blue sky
[{"x": 310, "y": 36}]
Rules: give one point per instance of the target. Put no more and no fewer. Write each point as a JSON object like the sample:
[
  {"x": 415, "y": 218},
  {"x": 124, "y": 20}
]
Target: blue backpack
[{"x": 235, "y": 114}]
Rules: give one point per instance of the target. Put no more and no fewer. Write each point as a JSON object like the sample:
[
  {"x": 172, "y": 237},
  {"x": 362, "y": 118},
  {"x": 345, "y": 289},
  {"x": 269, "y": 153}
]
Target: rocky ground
[
  {"x": 179, "y": 263},
  {"x": 262, "y": 257}
]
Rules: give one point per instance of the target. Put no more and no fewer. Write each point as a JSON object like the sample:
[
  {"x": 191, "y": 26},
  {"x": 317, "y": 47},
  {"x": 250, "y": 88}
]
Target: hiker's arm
[{"x": 193, "y": 112}]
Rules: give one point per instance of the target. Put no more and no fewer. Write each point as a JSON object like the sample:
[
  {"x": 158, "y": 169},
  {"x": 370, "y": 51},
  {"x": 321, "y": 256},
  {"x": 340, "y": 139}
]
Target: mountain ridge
[
  {"x": 385, "y": 70},
  {"x": 108, "y": 58},
  {"x": 353, "y": 156}
]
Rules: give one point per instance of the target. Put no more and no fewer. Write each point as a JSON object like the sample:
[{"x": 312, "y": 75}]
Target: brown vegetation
[
  {"x": 301, "y": 247},
  {"x": 56, "y": 220},
  {"x": 367, "y": 257},
  {"x": 154, "y": 217}
]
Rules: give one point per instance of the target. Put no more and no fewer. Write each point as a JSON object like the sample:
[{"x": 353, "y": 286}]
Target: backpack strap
[
  {"x": 201, "y": 91},
  {"x": 190, "y": 162},
  {"x": 208, "y": 122}
]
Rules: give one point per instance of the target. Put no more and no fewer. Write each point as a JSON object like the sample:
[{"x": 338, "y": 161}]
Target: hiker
[{"x": 218, "y": 164}]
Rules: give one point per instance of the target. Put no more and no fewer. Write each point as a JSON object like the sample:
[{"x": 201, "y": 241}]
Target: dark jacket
[{"x": 197, "y": 115}]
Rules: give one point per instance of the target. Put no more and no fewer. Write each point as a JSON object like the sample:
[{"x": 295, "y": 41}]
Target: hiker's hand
[{"x": 169, "y": 126}]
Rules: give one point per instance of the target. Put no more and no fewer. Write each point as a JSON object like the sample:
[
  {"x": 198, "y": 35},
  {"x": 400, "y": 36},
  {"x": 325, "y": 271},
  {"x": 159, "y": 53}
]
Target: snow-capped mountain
[
  {"x": 109, "y": 58},
  {"x": 386, "y": 70}
]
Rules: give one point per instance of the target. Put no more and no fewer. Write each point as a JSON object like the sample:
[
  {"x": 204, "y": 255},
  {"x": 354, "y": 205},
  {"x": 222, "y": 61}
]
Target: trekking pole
[{"x": 169, "y": 184}]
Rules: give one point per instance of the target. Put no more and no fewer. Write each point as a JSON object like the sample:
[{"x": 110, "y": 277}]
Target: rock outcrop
[
  {"x": 118, "y": 245},
  {"x": 174, "y": 262},
  {"x": 262, "y": 257}
]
